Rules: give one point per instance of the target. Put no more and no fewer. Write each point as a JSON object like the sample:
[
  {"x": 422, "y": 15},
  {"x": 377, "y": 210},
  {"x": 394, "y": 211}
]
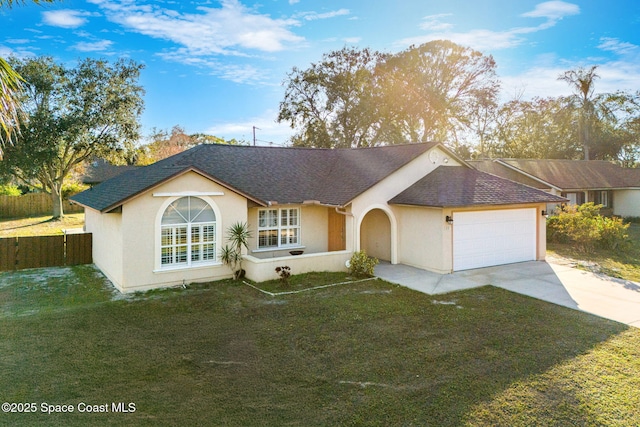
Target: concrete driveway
[{"x": 557, "y": 283}]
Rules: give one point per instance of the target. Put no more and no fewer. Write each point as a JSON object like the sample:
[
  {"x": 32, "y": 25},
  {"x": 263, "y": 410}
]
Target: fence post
[{"x": 8, "y": 253}]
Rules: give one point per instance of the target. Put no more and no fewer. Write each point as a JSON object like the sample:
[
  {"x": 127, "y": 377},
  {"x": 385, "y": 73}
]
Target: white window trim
[
  {"x": 279, "y": 227},
  {"x": 199, "y": 194},
  {"x": 158, "y": 266},
  {"x": 604, "y": 198},
  {"x": 189, "y": 245}
]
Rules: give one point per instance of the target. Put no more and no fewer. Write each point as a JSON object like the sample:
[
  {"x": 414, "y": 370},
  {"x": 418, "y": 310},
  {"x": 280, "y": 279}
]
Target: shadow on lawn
[
  {"x": 368, "y": 353},
  {"x": 32, "y": 224}
]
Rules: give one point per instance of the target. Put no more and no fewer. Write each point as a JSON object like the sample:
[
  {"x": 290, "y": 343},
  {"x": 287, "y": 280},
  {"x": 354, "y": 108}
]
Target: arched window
[{"x": 188, "y": 235}]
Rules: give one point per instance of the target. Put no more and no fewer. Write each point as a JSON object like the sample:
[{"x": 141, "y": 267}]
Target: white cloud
[
  {"x": 231, "y": 29},
  {"x": 352, "y": 40},
  {"x": 483, "y": 39},
  {"x": 18, "y": 41},
  {"x": 619, "y": 47},
  {"x": 21, "y": 52},
  {"x": 553, "y": 10},
  {"x": 64, "y": 18},
  {"x": 434, "y": 23},
  {"x": 313, "y": 16},
  {"x": 97, "y": 46},
  {"x": 538, "y": 81},
  {"x": 237, "y": 73},
  {"x": 542, "y": 80}
]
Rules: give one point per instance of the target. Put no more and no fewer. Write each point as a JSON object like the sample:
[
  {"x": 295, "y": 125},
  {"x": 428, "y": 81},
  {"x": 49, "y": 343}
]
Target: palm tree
[
  {"x": 10, "y": 108},
  {"x": 238, "y": 235},
  {"x": 10, "y": 88},
  {"x": 582, "y": 83}
]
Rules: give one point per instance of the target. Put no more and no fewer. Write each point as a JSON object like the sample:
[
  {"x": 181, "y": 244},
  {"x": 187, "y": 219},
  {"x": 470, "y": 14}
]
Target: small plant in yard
[
  {"x": 238, "y": 236},
  {"x": 284, "y": 272},
  {"x": 362, "y": 265}
]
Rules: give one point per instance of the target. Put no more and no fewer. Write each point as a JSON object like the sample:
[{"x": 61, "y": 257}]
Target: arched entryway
[{"x": 376, "y": 235}]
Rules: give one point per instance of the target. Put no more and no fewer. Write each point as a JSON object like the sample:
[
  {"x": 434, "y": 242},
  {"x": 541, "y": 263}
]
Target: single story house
[
  {"x": 580, "y": 181},
  {"x": 417, "y": 204}
]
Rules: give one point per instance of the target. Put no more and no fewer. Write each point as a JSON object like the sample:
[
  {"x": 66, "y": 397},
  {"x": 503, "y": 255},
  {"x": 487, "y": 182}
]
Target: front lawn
[
  {"x": 365, "y": 353},
  {"x": 621, "y": 264}
]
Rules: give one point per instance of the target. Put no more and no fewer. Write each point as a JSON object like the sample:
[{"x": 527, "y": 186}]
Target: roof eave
[
  {"x": 473, "y": 205},
  {"x": 179, "y": 173}
]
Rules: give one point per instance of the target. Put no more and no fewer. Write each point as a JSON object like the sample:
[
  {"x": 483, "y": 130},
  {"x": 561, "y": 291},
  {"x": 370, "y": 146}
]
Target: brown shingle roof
[
  {"x": 495, "y": 168},
  {"x": 452, "y": 186},
  {"x": 564, "y": 174},
  {"x": 266, "y": 174}
]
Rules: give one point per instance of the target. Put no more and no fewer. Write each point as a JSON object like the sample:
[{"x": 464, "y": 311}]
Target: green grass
[
  {"x": 621, "y": 264},
  {"x": 306, "y": 282},
  {"x": 366, "y": 353},
  {"x": 39, "y": 226}
]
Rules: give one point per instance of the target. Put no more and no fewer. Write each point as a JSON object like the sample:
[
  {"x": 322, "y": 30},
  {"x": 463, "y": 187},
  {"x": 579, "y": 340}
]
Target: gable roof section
[
  {"x": 495, "y": 167},
  {"x": 455, "y": 186},
  {"x": 101, "y": 170},
  {"x": 570, "y": 175},
  {"x": 265, "y": 174}
]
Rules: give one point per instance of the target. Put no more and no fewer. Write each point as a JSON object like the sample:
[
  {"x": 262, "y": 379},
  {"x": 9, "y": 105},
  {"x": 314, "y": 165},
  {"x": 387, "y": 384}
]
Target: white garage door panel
[{"x": 486, "y": 238}]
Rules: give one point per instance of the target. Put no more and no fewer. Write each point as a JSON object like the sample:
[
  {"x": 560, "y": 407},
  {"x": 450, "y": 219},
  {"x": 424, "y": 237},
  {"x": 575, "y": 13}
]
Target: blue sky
[{"x": 218, "y": 66}]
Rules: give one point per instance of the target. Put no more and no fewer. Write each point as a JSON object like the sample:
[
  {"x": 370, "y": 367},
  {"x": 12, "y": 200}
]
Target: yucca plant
[{"x": 238, "y": 236}]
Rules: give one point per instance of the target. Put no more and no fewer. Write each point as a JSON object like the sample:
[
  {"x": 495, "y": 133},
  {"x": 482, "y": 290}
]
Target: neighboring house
[
  {"x": 416, "y": 204},
  {"x": 101, "y": 170},
  {"x": 580, "y": 181}
]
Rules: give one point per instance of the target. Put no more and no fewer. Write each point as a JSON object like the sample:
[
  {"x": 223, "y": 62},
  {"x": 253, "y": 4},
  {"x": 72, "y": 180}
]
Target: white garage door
[{"x": 486, "y": 238}]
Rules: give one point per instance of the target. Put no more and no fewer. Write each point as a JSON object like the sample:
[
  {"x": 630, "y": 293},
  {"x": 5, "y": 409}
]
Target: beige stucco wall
[
  {"x": 313, "y": 231},
  {"x": 260, "y": 270},
  {"x": 141, "y": 233},
  {"x": 426, "y": 240},
  {"x": 626, "y": 203},
  {"x": 107, "y": 243},
  {"x": 377, "y": 196},
  {"x": 421, "y": 238}
]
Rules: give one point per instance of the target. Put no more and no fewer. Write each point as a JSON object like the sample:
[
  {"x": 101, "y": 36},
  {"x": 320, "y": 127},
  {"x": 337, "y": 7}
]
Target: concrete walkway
[{"x": 558, "y": 283}]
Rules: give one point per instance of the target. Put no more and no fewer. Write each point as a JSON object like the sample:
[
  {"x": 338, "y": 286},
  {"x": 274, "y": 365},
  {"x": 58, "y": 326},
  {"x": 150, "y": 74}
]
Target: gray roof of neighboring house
[
  {"x": 100, "y": 170},
  {"x": 265, "y": 174},
  {"x": 454, "y": 186},
  {"x": 564, "y": 174}
]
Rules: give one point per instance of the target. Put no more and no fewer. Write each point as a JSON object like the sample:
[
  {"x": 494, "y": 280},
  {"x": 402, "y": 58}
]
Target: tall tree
[
  {"x": 331, "y": 103},
  {"x": 165, "y": 143},
  {"x": 604, "y": 120},
  {"x": 10, "y": 87},
  {"x": 582, "y": 82},
  {"x": 437, "y": 91},
  {"x": 537, "y": 129},
  {"x": 73, "y": 114},
  {"x": 352, "y": 98}
]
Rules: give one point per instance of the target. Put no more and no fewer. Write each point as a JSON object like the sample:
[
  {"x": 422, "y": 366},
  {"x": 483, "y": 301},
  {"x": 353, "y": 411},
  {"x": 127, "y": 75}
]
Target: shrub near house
[{"x": 587, "y": 229}]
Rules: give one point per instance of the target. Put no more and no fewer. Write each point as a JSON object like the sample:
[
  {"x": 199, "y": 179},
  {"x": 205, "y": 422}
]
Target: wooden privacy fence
[
  {"x": 17, "y": 253},
  {"x": 32, "y": 204}
]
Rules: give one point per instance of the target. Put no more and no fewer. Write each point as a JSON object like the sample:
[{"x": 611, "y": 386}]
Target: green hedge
[{"x": 584, "y": 227}]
